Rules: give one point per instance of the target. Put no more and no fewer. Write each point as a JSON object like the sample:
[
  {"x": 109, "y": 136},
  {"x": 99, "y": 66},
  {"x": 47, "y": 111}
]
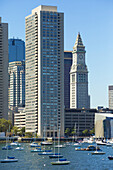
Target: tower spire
[{"x": 78, "y": 43}]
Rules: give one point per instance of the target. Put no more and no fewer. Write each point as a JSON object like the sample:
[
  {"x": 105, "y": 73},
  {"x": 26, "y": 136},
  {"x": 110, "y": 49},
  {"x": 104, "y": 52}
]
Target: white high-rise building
[
  {"x": 45, "y": 71},
  {"x": 3, "y": 70},
  {"x": 79, "y": 77}
]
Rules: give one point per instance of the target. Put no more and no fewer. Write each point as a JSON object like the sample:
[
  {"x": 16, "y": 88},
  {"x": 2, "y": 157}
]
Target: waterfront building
[
  {"x": 79, "y": 97},
  {"x": 16, "y": 84},
  {"x": 16, "y": 49},
  {"x": 110, "y": 95},
  {"x": 45, "y": 71},
  {"x": 67, "y": 67},
  {"x": 104, "y": 125},
  {"x": 3, "y": 70},
  {"x": 82, "y": 118}
]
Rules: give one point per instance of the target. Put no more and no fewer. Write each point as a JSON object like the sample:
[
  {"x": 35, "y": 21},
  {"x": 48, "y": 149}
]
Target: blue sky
[{"x": 92, "y": 18}]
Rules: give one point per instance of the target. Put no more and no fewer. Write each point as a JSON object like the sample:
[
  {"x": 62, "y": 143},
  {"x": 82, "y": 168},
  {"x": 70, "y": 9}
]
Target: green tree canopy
[
  {"x": 5, "y": 125},
  {"x": 15, "y": 130},
  {"x": 73, "y": 132},
  {"x": 29, "y": 134},
  {"x": 85, "y": 132},
  {"x": 92, "y": 131},
  {"x": 67, "y": 131}
]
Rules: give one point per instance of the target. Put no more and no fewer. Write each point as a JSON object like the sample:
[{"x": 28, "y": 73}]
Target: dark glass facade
[
  {"x": 67, "y": 67},
  {"x": 16, "y": 50}
]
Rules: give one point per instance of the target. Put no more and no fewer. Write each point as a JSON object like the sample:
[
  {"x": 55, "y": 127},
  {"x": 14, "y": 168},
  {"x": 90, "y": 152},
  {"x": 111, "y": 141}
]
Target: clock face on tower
[{"x": 80, "y": 56}]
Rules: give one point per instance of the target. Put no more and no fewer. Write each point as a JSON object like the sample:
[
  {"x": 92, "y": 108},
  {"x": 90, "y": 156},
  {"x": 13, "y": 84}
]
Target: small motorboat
[
  {"x": 110, "y": 157},
  {"x": 15, "y": 144},
  {"x": 33, "y": 144},
  {"x": 19, "y": 149},
  {"x": 45, "y": 153},
  {"x": 77, "y": 144},
  {"x": 101, "y": 143},
  {"x": 60, "y": 146},
  {"x": 46, "y": 143}
]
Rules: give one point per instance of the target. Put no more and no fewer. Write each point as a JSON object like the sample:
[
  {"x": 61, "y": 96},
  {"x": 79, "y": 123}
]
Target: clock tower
[{"x": 79, "y": 97}]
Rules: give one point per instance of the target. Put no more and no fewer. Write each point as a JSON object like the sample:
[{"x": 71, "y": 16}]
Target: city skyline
[{"x": 92, "y": 19}]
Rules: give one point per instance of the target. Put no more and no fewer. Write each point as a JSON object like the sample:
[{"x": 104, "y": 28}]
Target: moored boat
[
  {"x": 45, "y": 153},
  {"x": 7, "y": 147},
  {"x": 56, "y": 155},
  {"x": 61, "y": 162},
  {"x": 15, "y": 144},
  {"x": 110, "y": 157},
  {"x": 46, "y": 143},
  {"x": 97, "y": 153},
  {"x": 9, "y": 160},
  {"x": 19, "y": 149},
  {"x": 33, "y": 144}
]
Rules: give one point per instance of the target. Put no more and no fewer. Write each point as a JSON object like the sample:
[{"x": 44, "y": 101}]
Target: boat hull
[
  {"x": 98, "y": 153},
  {"x": 36, "y": 150},
  {"x": 60, "y": 163},
  {"x": 110, "y": 157},
  {"x": 45, "y": 153},
  {"x": 8, "y": 160},
  {"x": 55, "y": 156}
]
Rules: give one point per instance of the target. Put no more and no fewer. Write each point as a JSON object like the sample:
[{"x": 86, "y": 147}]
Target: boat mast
[
  {"x": 58, "y": 144},
  {"x": 54, "y": 140},
  {"x": 6, "y": 145},
  {"x": 75, "y": 130}
]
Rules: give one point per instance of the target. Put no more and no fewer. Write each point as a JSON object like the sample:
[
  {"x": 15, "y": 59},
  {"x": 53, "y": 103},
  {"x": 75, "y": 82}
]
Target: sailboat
[
  {"x": 34, "y": 144},
  {"x": 61, "y": 161},
  {"x": 97, "y": 152},
  {"x": 8, "y": 158},
  {"x": 55, "y": 155},
  {"x": 45, "y": 152}
]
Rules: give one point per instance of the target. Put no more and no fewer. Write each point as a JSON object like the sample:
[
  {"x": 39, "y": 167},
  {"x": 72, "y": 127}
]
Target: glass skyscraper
[
  {"x": 45, "y": 71},
  {"x": 16, "y": 50}
]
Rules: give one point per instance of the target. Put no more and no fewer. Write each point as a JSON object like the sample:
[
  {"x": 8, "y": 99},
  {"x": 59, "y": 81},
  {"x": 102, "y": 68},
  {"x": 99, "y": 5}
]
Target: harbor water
[{"x": 79, "y": 160}]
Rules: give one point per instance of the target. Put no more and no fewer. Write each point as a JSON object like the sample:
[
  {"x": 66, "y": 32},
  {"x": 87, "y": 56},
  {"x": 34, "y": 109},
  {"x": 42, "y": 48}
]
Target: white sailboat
[
  {"x": 45, "y": 152},
  {"x": 8, "y": 158},
  {"x": 55, "y": 155},
  {"x": 34, "y": 144},
  {"x": 97, "y": 152},
  {"x": 61, "y": 161}
]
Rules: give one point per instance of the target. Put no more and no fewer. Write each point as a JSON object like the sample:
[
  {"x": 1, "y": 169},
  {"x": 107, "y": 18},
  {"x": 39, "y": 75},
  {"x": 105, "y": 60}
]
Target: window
[{"x": 73, "y": 78}]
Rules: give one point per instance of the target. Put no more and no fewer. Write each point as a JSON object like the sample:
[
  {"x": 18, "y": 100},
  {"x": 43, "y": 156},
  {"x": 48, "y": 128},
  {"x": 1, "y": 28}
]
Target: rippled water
[{"x": 80, "y": 160}]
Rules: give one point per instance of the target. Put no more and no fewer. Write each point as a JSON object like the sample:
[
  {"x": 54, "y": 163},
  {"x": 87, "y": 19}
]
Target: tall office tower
[
  {"x": 67, "y": 67},
  {"x": 3, "y": 70},
  {"x": 110, "y": 94},
  {"x": 45, "y": 71},
  {"x": 17, "y": 84},
  {"x": 79, "y": 77},
  {"x": 16, "y": 50}
]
